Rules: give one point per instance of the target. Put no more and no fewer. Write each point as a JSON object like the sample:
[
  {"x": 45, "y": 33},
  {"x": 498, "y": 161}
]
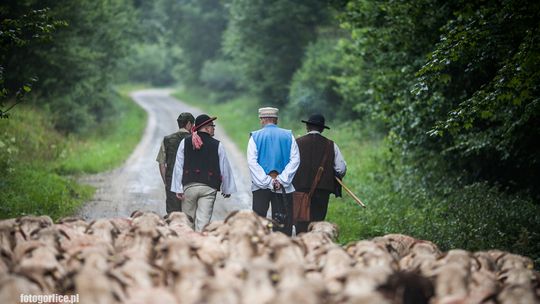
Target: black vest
[
  {"x": 312, "y": 148},
  {"x": 202, "y": 166},
  {"x": 171, "y": 143}
]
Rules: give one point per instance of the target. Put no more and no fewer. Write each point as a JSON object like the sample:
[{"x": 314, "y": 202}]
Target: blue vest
[{"x": 273, "y": 147}]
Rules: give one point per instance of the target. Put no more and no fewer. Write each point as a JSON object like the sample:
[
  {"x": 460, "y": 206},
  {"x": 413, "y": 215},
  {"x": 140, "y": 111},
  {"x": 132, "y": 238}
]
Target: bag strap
[{"x": 320, "y": 170}]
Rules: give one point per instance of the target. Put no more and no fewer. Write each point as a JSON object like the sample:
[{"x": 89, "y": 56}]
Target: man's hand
[
  {"x": 226, "y": 195},
  {"x": 180, "y": 196},
  {"x": 276, "y": 184}
]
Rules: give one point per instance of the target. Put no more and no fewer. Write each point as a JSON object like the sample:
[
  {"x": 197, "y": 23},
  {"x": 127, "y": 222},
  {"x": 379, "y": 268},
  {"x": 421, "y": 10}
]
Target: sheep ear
[
  {"x": 232, "y": 214},
  {"x": 116, "y": 230},
  {"x": 136, "y": 213}
]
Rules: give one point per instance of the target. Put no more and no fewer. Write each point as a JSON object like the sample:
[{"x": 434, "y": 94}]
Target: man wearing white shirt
[
  {"x": 200, "y": 170},
  {"x": 313, "y": 147},
  {"x": 273, "y": 159}
]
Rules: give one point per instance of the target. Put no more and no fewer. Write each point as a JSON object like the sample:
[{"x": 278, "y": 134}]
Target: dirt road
[{"x": 137, "y": 185}]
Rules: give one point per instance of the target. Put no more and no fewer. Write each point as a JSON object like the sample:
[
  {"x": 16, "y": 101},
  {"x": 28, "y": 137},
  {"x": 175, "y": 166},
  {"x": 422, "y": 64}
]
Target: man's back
[
  {"x": 312, "y": 148},
  {"x": 273, "y": 146},
  {"x": 171, "y": 143}
]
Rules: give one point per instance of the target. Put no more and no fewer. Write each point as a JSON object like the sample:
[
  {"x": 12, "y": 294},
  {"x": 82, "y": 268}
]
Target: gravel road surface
[{"x": 137, "y": 185}]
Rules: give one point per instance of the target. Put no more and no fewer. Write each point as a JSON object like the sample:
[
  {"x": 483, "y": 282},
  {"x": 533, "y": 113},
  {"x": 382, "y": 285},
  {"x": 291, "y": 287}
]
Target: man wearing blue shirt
[{"x": 273, "y": 159}]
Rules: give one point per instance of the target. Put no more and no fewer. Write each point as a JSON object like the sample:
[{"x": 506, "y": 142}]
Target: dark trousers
[
  {"x": 172, "y": 202},
  {"x": 281, "y": 204},
  {"x": 317, "y": 209}
]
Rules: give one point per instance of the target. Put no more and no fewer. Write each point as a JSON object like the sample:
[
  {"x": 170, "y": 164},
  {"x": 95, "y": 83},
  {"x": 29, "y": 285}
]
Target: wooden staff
[{"x": 350, "y": 192}]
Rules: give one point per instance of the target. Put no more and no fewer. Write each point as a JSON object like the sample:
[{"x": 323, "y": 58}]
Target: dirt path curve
[{"x": 137, "y": 185}]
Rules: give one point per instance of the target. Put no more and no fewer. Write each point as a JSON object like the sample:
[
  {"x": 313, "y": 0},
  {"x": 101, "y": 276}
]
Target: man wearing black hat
[
  {"x": 201, "y": 169},
  {"x": 313, "y": 146},
  {"x": 167, "y": 157}
]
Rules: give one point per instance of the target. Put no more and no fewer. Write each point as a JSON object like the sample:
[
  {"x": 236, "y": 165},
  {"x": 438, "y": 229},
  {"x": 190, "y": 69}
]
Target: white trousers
[{"x": 199, "y": 203}]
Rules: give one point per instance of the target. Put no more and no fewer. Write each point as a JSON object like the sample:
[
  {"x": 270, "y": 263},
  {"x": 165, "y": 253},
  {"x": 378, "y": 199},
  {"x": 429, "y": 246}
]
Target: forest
[{"x": 448, "y": 92}]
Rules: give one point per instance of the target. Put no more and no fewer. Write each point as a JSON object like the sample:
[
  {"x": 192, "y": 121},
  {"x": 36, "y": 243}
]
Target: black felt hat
[
  {"x": 202, "y": 120},
  {"x": 316, "y": 120}
]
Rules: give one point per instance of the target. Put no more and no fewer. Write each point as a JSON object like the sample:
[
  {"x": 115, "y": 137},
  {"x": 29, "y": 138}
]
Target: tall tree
[
  {"x": 267, "y": 40},
  {"x": 196, "y": 27},
  {"x": 77, "y": 68},
  {"x": 485, "y": 71},
  {"x": 21, "y": 28}
]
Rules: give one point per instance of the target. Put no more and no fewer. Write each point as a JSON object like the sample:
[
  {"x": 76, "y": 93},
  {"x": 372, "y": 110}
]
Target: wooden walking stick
[{"x": 350, "y": 192}]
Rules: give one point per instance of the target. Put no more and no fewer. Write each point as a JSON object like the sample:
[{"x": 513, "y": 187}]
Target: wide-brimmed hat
[
  {"x": 202, "y": 120},
  {"x": 268, "y": 112},
  {"x": 316, "y": 120}
]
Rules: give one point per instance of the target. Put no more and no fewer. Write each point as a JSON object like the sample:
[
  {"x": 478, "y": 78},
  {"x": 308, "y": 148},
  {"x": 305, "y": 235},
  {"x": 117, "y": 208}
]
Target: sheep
[
  {"x": 218, "y": 291},
  {"x": 37, "y": 261},
  {"x": 330, "y": 229},
  {"x": 452, "y": 280},
  {"x": 150, "y": 295},
  {"x": 75, "y": 223},
  {"x": 483, "y": 286},
  {"x": 258, "y": 284},
  {"x": 517, "y": 294},
  {"x": 240, "y": 260},
  {"x": 28, "y": 224},
  {"x": 335, "y": 265},
  {"x": 364, "y": 280},
  {"x": 513, "y": 261},
  {"x": 12, "y": 286},
  {"x": 103, "y": 229},
  {"x": 284, "y": 249},
  {"x": 368, "y": 253},
  {"x": 397, "y": 244},
  {"x": 7, "y": 231}
]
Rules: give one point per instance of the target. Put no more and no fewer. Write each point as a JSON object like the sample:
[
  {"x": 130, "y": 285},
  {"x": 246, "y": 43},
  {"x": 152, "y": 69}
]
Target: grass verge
[
  {"x": 37, "y": 162},
  {"x": 108, "y": 146}
]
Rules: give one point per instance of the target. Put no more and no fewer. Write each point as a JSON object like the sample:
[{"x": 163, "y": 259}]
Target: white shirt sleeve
[
  {"x": 258, "y": 177},
  {"x": 178, "y": 171},
  {"x": 286, "y": 177},
  {"x": 228, "y": 186},
  {"x": 340, "y": 166}
]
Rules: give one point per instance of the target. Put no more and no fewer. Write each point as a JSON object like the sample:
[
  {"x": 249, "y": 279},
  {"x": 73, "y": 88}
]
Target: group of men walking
[{"x": 194, "y": 167}]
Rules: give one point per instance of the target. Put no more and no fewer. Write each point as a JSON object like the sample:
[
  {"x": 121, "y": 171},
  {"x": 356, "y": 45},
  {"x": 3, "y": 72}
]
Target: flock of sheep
[{"x": 148, "y": 259}]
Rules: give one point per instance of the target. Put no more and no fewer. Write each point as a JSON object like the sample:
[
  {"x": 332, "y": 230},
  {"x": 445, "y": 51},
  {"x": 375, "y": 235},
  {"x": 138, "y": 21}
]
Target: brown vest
[{"x": 312, "y": 148}]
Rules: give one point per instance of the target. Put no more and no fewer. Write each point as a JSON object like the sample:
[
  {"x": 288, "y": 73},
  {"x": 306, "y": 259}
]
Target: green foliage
[
  {"x": 30, "y": 146},
  {"x": 484, "y": 76},
  {"x": 389, "y": 42},
  {"x": 21, "y": 28},
  {"x": 266, "y": 39},
  {"x": 222, "y": 77},
  {"x": 195, "y": 26},
  {"x": 313, "y": 87},
  {"x": 77, "y": 66},
  {"x": 153, "y": 63}
]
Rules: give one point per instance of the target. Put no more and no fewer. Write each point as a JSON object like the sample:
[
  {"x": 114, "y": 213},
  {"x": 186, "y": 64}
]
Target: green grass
[
  {"x": 400, "y": 199},
  {"x": 28, "y": 183},
  {"x": 37, "y": 162},
  {"x": 109, "y": 145}
]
